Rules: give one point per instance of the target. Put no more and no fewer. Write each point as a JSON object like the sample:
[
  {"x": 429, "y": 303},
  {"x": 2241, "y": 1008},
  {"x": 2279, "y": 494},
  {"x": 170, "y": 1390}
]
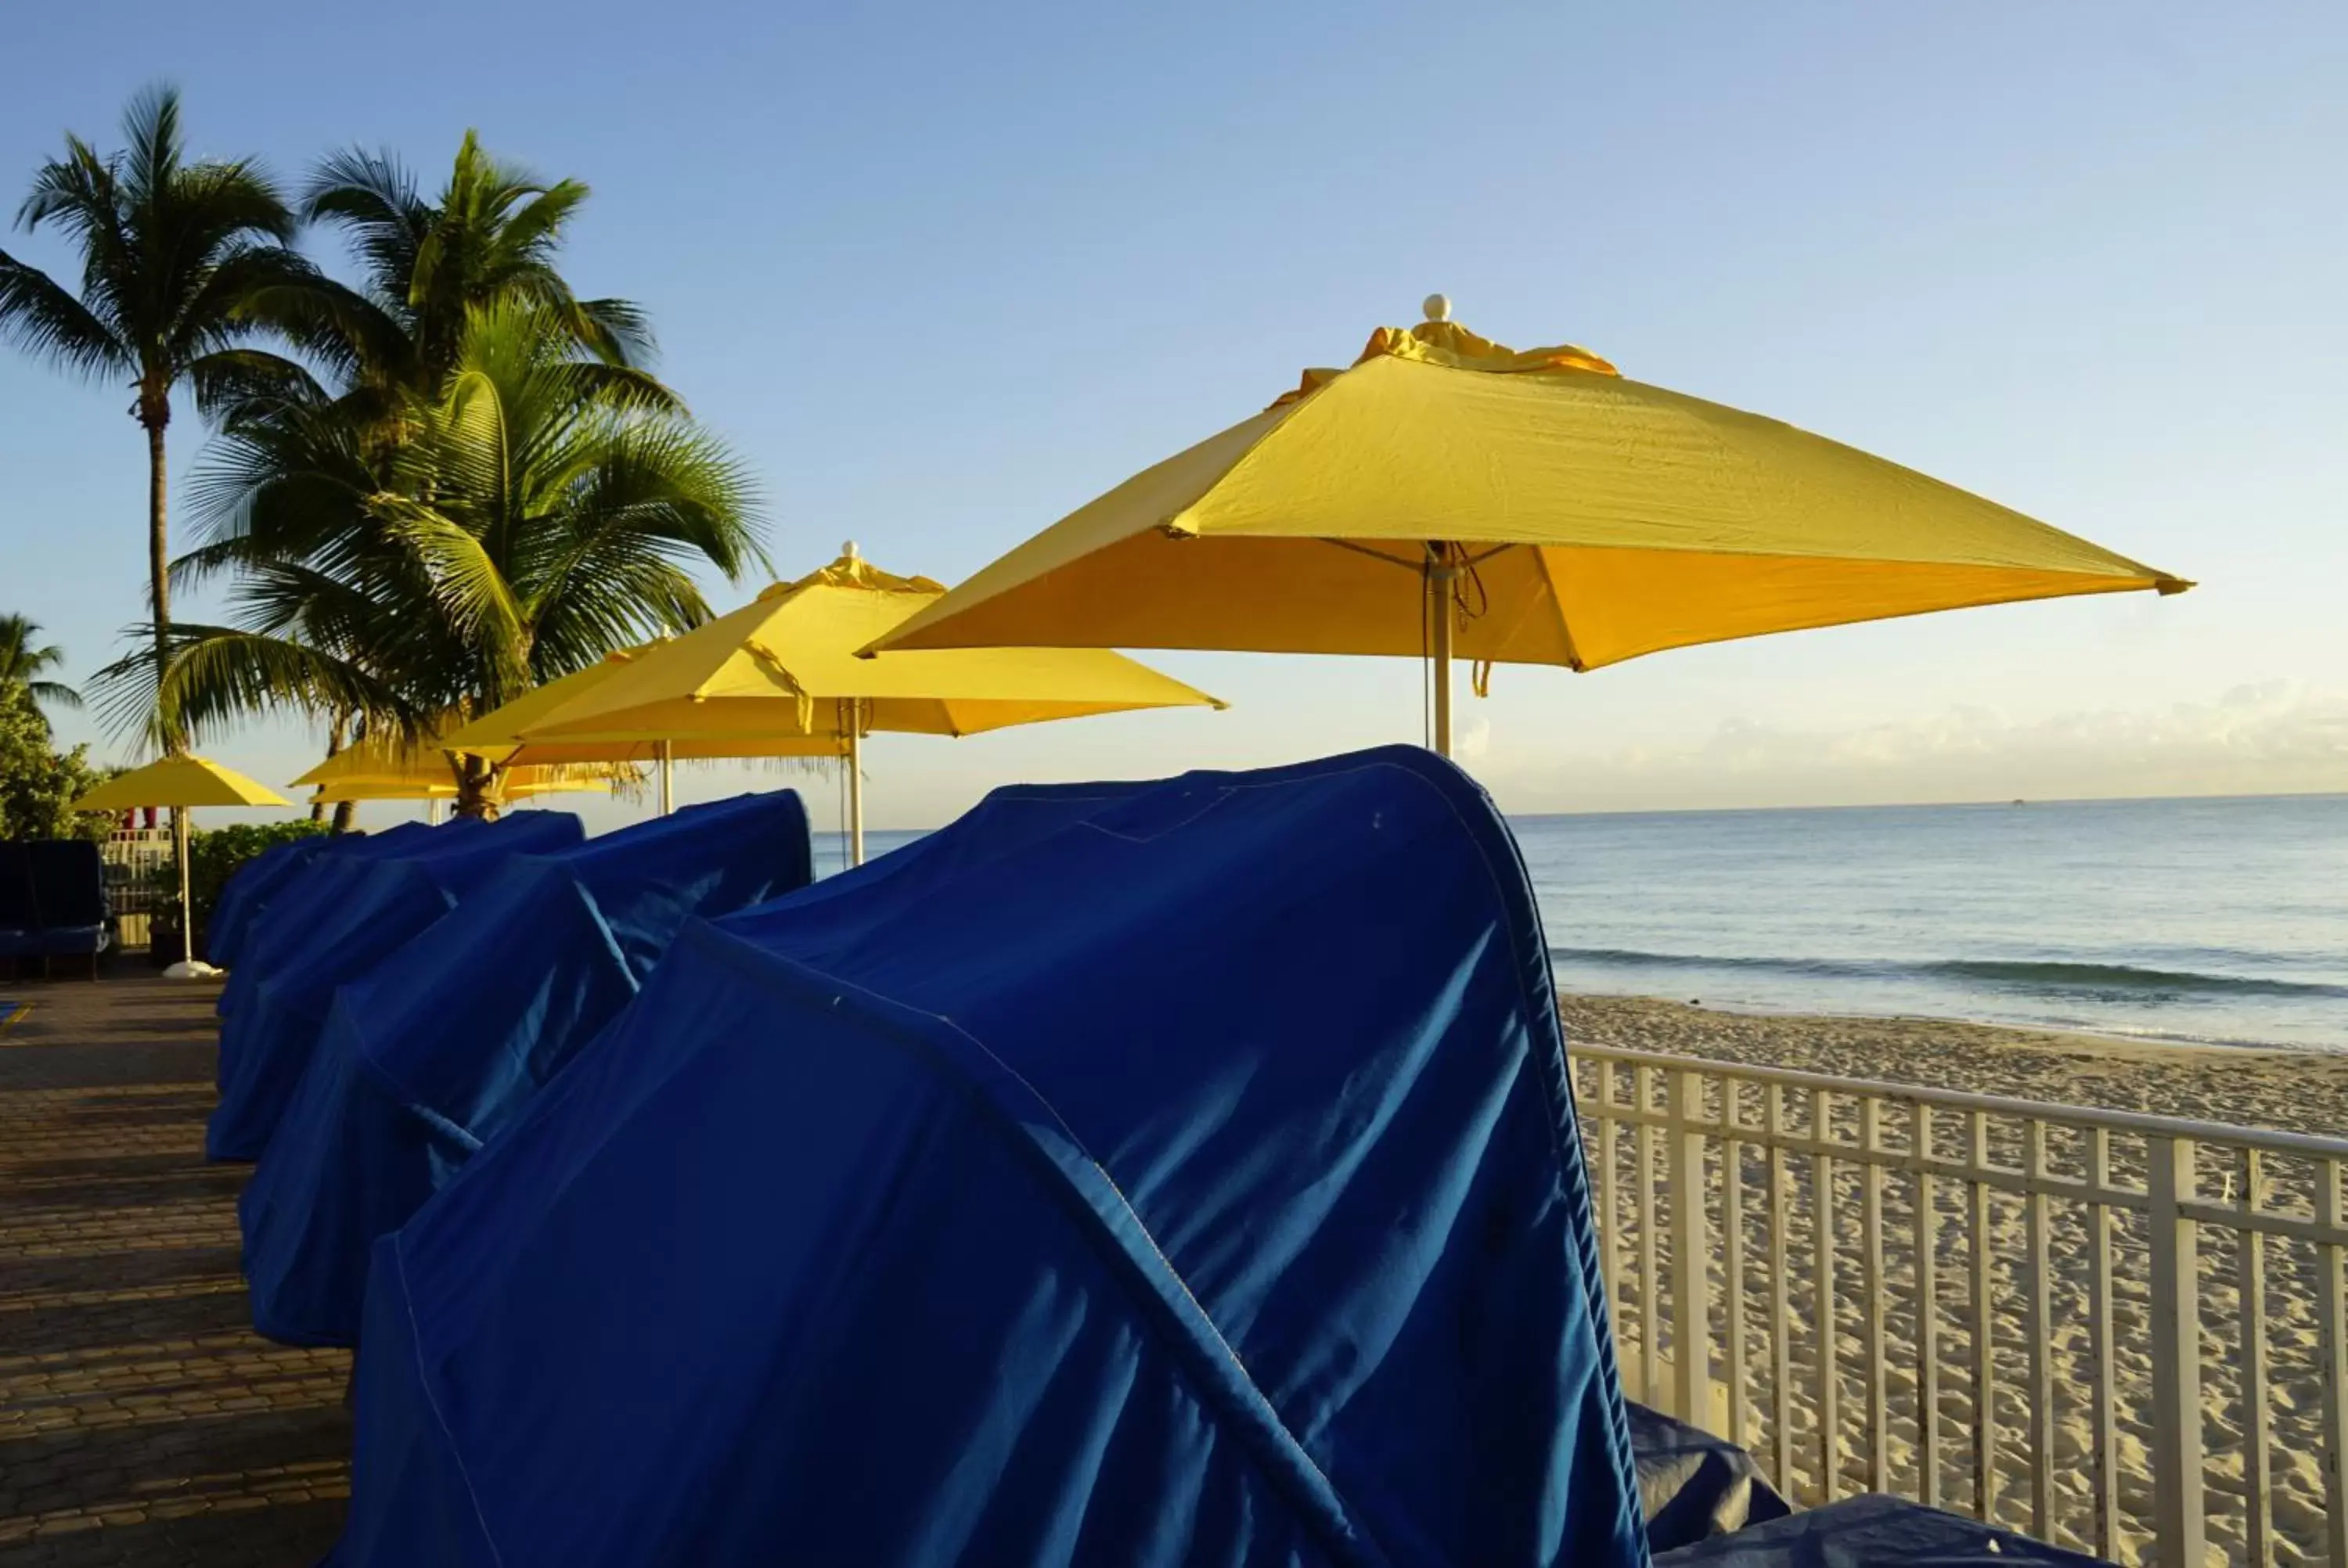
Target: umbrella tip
[
  {"x": 848, "y": 549},
  {"x": 1438, "y": 307}
]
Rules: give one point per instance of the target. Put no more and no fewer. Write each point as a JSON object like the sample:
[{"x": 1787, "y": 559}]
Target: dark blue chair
[
  {"x": 68, "y": 879},
  {"x": 18, "y": 915}
]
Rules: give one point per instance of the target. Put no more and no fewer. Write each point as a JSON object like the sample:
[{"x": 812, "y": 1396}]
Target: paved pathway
[{"x": 141, "y": 1420}]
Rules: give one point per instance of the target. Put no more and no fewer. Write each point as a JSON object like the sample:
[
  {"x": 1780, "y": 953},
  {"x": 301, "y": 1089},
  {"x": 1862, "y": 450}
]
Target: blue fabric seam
[{"x": 432, "y": 1400}]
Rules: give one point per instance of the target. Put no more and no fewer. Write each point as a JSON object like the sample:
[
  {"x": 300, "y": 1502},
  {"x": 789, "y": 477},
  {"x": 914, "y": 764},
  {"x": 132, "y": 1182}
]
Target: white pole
[
  {"x": 1440, "y": 579},
  {"x": 181, "y": 848},
  {"x": 667, "y": 783},
  {"x": 855, "y": 782}
]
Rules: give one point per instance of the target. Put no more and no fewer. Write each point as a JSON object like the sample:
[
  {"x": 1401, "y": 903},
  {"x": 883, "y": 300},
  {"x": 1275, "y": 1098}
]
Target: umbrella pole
[
  {"x": 180, "y": 850},
  {"x": 667, "y": 785},
  {"x": 856, "y": 784},
  {"x": 1439, "y": 578}
]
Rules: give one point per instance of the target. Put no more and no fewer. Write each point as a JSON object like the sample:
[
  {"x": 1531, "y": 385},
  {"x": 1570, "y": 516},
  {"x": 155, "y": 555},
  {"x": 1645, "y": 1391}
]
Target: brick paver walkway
[{"x": 141, "y": 1420}]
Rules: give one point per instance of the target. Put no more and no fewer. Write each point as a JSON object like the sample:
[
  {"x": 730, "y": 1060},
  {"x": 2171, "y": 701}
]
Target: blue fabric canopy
[
  {"x": 446, "y": 1041},
  {"x": 249, "y": 889},
  {"x": 371, "y": 909},
  {"x": 284, "y": 924},
  {"x": 1191, "y": 1180}
]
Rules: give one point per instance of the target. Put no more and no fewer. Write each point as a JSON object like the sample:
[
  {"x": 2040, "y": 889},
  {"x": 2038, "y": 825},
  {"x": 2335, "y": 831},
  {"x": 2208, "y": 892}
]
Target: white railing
[{"x": 2121, "y": 1333}]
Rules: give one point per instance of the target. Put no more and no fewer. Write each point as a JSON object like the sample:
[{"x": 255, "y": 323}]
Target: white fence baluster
[
  {"x": 2107, "y": 1351},
  {"x": 1826, "y": 1329},
  {"x": 2331, "y": 1321},
  {"x": 1928, "y": 1308},
  {"x": 2041, "y": 1329},
  {"x": 1871, "y": 1225},
  {"x": 1781, "y": 1314},
  {"x": 2176, "y": 1478},
  {"x": 1651, "y": 1301},
  {"x": 1984, "y": 1336},
  {"x": 1610, "y": 1196},
  {"x": 1732, "y": 1175},
  {"x": 2258, "y": 1435},
  {"x": 1691, "y": 1255}
]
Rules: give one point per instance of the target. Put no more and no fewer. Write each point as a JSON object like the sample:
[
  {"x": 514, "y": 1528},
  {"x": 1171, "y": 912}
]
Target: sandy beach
[{"x": 2302, "y": 1091}]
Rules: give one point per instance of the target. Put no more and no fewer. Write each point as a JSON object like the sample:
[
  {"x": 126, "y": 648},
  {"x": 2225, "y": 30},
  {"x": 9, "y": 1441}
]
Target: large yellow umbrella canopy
[
  {"x": 180, "y": 783},
  {"x": 781, "y": 677},
  {"x": 185, "y": 781},
  {"x": 497, "y": 734},
  {"x": 1562, "y": 513}
]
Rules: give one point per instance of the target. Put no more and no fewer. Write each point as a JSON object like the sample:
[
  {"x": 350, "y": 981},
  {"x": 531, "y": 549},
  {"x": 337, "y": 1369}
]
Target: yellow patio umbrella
[
  {"x": 517, "y": 785},
  {"x": 181, "y": 782},
  {"x": 780, "y": 677},
  {"x": 1447, "y": 496},
  {"x": 496, "y": 736},
  {"x": 421, "y": 770}
]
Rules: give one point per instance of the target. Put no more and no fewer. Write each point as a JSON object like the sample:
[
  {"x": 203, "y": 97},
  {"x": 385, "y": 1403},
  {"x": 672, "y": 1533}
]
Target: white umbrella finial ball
[
  {"x": 847, "y": 547},
  {"x": 1438, "y": 307}
]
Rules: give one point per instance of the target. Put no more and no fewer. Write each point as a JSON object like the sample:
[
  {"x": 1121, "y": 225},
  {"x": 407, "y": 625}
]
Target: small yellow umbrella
[
  {"x": 780, "y": 677},
  {"x": 181, "y": 782},
  {"x": 1549, "y": 511}
]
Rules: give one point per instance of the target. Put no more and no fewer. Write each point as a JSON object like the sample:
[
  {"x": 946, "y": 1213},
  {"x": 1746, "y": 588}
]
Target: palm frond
[{"x": 39, "y": 315}]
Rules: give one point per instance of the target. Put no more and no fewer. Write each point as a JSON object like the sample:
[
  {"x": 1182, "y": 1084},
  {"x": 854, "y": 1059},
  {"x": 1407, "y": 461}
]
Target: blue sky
[{"x": 944, "y": 272}]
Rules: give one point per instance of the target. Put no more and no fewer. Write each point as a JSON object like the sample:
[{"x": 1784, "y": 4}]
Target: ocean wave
[{"x": 2004, "y": 974}]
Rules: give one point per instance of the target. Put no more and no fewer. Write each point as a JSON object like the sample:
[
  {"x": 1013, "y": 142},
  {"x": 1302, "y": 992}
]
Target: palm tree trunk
[
  {"x": 159, "y": 552},
  {"x": 337, "y": 733},
  {"x": 158, "y": 585},
  {"x": 473, "y": 789}
]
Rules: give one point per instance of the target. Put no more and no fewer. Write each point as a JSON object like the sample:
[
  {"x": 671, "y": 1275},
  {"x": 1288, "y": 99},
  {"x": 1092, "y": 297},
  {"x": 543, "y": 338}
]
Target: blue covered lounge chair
[
  {"x": 448, "y": 1040},
  {"x": 287, "y": 923},
  {"x": 1193, "y": 1181},
  {"x": 249, "y": 890},
  {"x": 70, "y": 893},
  {"x": 20, "y": 917},
  {"x": 374, "y": 907}
]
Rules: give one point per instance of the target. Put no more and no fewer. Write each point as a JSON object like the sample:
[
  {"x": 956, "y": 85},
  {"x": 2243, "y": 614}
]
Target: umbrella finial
[
  {"x": 848, "y": 551},
  {"x": 1438, "y": 307}
]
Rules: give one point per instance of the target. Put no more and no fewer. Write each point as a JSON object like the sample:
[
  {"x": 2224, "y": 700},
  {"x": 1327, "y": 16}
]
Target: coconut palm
[
  {"x": 23, "y": 662},
  {"x": 171, "y": 253},
  {"x": 536, "y": 515},
  {"x": 491, "y": 235}
]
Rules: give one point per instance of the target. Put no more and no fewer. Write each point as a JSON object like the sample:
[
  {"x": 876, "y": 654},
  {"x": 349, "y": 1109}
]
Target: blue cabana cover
[
  {"x": 1195, "y": 1184},
  {"x": 445, "y": 1041},
  {"x": 377, "y": 907},
  {"x": 283, "y": 924},
  {"x": 249, "y": 889}
]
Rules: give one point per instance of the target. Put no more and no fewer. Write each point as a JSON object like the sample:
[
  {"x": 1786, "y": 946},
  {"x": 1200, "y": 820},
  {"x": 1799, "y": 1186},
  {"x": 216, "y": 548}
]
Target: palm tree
[
  {"x": 492, "y": 235},
  {"x": 538, "y": 513},
  {"x": 23, "y": 662},
  {"x": 173, "y": 252}
]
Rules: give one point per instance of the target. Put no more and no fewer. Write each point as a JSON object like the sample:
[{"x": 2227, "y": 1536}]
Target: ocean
[{"x": 2211, "y": 921}]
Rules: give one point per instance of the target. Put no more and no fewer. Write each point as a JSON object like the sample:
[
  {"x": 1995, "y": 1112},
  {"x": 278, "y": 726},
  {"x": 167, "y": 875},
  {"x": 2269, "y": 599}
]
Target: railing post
[
  {"x": 1691, "y": 1255},
  {"x": 1928, "y": 1306},
  {"x": 2332, "y": 1314},
  {"x": 2177, "y": 1458}
]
